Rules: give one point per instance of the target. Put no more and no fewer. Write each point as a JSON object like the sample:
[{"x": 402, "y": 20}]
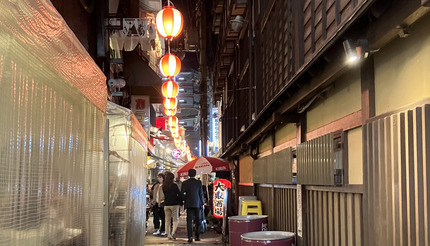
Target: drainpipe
[
  {"x": 203, "y": 75},
  {"x": 250, "y": 66}
]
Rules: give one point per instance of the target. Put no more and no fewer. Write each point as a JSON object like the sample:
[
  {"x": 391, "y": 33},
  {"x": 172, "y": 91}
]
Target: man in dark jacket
[{"x": 192, "y": 193}]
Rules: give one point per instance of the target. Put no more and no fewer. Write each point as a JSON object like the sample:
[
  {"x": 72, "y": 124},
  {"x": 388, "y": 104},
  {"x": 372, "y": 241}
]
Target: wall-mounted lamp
[
  {"x": 356, "y": 50},
  {"x": 237, "y": 23}
]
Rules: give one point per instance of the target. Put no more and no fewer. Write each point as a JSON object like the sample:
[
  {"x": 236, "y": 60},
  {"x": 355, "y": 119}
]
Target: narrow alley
[{"x": 212, "y": 237}]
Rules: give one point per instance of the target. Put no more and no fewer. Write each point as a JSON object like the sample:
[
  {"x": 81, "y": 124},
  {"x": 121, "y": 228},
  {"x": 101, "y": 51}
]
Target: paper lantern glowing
[
  {"x": 173, "y": 121},
  {"x": 170, "y": 89},
  {"x": 177, "y": 140},
  {"x": 170, "y": 103},
  {"x": 175, "y": 134},
  {"x": 170, "y": 65},
  {"x": 169, "y": 22},
  {"x": 170, "y": 112}
]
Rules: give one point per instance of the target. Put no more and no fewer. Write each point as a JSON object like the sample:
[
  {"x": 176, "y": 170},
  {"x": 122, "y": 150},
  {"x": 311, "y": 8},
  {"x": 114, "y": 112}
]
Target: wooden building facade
[{"x": 337, "y": 152}]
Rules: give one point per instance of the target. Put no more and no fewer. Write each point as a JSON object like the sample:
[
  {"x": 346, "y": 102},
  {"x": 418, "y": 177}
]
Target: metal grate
[{"x": 396, "y": 178}]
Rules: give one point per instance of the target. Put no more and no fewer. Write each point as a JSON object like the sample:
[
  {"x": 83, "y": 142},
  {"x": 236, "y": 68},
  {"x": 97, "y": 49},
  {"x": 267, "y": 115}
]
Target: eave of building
[{"x": 281, "y": 108}]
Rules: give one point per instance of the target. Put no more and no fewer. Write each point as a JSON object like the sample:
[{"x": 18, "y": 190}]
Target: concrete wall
[
  {"x": 285, "y": 134},
  {"x": 355, "y": 156},
  {"x": 342, "y": 100},
  {"x": 402, "y": 70}
]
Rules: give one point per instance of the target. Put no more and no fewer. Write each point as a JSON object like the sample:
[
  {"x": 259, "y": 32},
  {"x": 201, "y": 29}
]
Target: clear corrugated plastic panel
[
  {"x": 127, "y": 180},
  {"x": 51, "y": 146}
]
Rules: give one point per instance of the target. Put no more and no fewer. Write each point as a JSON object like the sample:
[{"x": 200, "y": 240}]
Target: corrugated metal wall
[
  {"x": 260, "y": 172},
  {"x": 334, "y": 218},
  {"x": 396, "y": 178},
  {"x": 316, "y": 161},
  {"x": 276, "y": 168},
  {"x": 282, "y": 167}
]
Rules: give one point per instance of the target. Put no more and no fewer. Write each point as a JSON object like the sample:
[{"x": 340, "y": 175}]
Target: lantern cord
[{"x": 168, "y": 45}]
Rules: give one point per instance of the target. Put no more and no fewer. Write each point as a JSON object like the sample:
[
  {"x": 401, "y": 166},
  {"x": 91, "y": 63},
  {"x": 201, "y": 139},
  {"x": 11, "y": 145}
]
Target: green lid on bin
[{"x": 267, "y": 235}]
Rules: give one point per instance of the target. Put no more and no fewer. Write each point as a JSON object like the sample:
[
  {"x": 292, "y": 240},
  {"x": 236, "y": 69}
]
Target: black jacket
[
  {"x": 192, "y": 193},
  {"x": 172, "y": 196}
]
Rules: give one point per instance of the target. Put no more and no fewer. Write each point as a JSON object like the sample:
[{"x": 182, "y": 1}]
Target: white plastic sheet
[
  {"x": 127, "y": 177},
  {"x": 53, "y": 99}
]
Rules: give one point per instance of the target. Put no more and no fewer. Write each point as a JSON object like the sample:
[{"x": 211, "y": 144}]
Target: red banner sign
[{"x": 220, "y": 197}]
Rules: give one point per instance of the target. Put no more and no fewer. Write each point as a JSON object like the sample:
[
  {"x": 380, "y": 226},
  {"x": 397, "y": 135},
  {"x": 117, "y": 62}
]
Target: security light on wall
[
  {"x": 356, "y": 50},
  {"x": 237, "y": 23}
]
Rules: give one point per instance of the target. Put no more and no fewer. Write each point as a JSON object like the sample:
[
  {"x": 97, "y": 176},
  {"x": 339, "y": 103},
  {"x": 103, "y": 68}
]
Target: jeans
[
  {"x": 159, "y": 215},
  {"x": 193, "y": 213},
  {"x": 171, "y": 212}
]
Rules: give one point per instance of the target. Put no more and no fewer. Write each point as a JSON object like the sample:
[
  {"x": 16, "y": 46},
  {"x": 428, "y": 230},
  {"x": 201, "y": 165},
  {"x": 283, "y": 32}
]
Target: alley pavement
[{"x": 211, "y": 237}]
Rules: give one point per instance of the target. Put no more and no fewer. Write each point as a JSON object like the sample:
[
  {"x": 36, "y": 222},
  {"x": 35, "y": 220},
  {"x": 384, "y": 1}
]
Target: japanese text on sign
[{"x": 220, "y": 196}]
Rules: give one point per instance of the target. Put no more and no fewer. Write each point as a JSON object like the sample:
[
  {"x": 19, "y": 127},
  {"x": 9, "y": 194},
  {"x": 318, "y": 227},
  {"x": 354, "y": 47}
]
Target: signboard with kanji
[
  {"x": 140, "y": 106},
  {"x": 220, "y": 197}
]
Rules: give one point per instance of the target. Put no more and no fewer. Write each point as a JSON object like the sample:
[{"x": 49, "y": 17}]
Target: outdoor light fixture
[
  {"x": 357, "y": 50},
  {"x": 170, "y": 65},
  {"x": 170, "y": 89},
  {"x": 169, "y": 22},
  {"x": 237, "y": 23}
]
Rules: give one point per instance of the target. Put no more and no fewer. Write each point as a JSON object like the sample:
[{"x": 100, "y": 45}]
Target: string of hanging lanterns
[{"x": 169, "y": 23}]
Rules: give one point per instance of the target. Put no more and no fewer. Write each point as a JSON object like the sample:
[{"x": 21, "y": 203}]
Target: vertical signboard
[
  {"x": 220, "y": 197},
  {"x": 214, "y": 129},
  {"x": 140, "y": 107}
]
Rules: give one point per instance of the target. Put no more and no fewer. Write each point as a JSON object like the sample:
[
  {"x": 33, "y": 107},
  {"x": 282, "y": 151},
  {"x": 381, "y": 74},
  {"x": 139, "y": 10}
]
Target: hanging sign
[
  {"x": 220, "y": 197},
  {"x": 176, "y": 153},
  {"x": 140, "y": 106}
]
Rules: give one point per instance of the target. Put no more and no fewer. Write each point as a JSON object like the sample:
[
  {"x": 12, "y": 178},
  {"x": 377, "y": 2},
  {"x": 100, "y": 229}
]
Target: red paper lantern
[
  {"x": 170, "y": 103},
  {"x": 170, "y": 88},
  {"x": 173, "y": 121},
  {"x": 170, "y": 112},
  {"x": 170, "y": 65},
  {"x": 175, "y": 134},
  {"x": 169, "y": 22},
  {"x": 177, "y": 140},
  {"x": 174, "y": 130}
]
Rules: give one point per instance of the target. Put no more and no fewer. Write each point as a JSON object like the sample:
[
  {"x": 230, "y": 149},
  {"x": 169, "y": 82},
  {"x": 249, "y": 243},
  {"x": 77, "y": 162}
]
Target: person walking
[
  {"x": 158, "y": 206},
  {"x": 192, "y": 193},
  {"x": 172, "y": 201}
]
